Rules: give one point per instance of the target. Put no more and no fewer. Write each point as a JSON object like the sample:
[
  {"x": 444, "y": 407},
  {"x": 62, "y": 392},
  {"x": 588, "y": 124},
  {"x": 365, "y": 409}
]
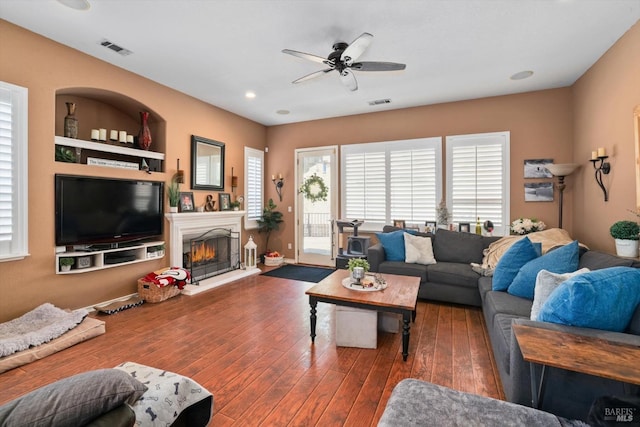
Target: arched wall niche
[{"x": 99, "y": 108}]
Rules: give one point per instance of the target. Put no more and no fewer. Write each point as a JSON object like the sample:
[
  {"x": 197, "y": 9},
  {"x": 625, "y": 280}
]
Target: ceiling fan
[{"x": 342, "y": 60}]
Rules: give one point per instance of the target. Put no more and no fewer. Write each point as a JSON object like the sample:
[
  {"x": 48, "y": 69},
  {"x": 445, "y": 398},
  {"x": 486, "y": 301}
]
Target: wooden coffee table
[{"x": 400, "y": 296}]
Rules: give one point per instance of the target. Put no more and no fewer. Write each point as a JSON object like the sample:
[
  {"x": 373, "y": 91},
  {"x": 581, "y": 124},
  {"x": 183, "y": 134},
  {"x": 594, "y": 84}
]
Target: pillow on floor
[
  {"x": 520, "y": 253},
  {"x": 562, "y": 260},
  {"x": 393, "y": 244},
  {"x": 547, "y": 282},
  {"x": 601, "y": 299},
  {"x": 73, "y": 401},
  {"x": 418, "y": 250}
]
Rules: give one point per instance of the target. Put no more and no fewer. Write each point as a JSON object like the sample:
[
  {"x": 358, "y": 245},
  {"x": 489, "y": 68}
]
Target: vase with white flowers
[{"x": 522, "y": 226}]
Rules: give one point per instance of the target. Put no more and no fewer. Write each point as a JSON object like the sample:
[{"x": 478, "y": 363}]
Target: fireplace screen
[{"x": 215, "y": 252}]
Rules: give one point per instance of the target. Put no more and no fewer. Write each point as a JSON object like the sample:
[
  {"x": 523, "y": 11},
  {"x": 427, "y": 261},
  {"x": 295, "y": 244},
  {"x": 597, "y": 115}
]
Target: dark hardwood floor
[{"x": 248, "y": 343}]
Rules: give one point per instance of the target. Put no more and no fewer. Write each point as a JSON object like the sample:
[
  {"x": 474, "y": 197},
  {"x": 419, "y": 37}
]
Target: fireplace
[
  {"x": 214, "y": 252},
  {"x": 185, "y": 226}
]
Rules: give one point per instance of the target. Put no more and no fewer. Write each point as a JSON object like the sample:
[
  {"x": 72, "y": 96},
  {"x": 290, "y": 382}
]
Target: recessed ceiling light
[
  {"x": 250, "y": 95},
  {"x": 76, "y": 4},
  {"x": 522, "y": 75},
  {"x": 283, "y": 112}
]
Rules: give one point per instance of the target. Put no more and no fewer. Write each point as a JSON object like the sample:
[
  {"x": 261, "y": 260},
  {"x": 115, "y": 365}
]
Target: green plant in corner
[
  {"x": 270, "y": 221},
  {"x": 173, "y": 192},
  {"x": 67, "y": 261},
  {"x": 358, "y": 262},
  {"x": 625, "y": 230}
]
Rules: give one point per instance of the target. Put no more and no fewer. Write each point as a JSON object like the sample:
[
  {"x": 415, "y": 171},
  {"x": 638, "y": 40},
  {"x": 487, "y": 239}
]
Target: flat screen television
[{"x": 92, "y": 210}]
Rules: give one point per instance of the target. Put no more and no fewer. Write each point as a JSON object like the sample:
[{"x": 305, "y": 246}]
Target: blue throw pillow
[
  {"x": 393, "y": 244},
  {"x": 520, "y": 253},
  {"x": 561, "y": 260},
  {"x": 601, "y": 299}
]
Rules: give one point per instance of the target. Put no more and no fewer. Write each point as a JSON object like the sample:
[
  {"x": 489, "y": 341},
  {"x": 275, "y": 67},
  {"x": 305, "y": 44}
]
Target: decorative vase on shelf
[
  {"x": 173, "y": 209},
  {"x": 70, "y": 121},
  {"x": 144, "y": 137}
]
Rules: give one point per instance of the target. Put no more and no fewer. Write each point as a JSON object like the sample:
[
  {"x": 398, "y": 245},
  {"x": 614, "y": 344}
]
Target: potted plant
[
  {"x": 173, "y": 192},
  {"x": 358, "y": 262},
  {"x": 270, "y": 221},
  {"x": 358, "y": 268},
  {"x": 626, "y": 235},
  {"x": 66, "y": 263},
  {"x": 235, "y": 205}
]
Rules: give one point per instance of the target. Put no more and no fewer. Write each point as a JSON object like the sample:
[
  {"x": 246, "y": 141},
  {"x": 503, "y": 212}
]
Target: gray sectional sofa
[{"x": 452, "y": 279}]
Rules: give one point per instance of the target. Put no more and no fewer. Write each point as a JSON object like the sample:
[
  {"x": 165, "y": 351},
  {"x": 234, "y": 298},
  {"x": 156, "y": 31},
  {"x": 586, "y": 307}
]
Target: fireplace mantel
[{"x": 188, "y": 223}]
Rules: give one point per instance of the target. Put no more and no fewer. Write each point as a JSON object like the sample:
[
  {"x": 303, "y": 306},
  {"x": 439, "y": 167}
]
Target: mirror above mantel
[{"x": 207, "y": 164}]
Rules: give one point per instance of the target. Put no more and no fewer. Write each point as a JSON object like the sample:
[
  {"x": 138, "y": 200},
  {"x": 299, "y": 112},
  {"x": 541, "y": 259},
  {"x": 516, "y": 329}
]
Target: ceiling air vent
[
  {"x": 114, "y": 47},
  {"x": 380, "y": 101}
]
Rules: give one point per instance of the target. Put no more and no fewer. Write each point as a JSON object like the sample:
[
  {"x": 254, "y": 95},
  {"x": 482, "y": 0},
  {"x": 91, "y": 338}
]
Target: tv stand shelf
[{"x": 92, "y": 260}]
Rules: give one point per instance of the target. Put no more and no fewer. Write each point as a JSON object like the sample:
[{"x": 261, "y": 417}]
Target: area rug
[
  {"x": 40, "y": 325},
  {"x": 300, "y": 272}
]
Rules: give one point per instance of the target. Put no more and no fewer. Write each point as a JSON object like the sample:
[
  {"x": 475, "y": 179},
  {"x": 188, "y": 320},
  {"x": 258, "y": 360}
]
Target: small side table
[{"x": 578, "y": 353}]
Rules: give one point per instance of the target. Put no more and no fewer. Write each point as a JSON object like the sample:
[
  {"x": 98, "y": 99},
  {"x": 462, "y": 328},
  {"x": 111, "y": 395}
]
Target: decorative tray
[{"x": 350, "y": 283}]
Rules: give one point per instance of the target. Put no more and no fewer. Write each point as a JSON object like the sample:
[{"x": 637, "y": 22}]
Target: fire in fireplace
[{"x": 215, "y": 252}]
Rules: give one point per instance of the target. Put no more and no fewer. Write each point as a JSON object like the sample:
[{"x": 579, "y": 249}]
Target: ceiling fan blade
[
  {"x": 356, "y": 48},
  {"x": 348, "y": 79},
  {"x": 377, "y": 66},
  {"x": 310, "y": 57},
  {"x": 312, "y": 75}
]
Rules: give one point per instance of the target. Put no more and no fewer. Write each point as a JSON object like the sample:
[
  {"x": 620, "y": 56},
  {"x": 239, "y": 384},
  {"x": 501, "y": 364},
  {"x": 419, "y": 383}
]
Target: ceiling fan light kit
[{"x": 342, "y": 60}]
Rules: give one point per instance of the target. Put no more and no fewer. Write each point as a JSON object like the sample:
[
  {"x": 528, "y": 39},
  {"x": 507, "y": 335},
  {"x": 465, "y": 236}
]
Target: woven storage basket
[{"x": 150, "y": 292}]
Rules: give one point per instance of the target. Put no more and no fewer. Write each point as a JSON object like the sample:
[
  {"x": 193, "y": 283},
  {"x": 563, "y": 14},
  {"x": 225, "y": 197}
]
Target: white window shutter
[
  {"x": 478, "y": 179},
  {"x": 254, "y": 191},
  {"x": 13, "y": 172},
  {"x": 391, "y": 180}
]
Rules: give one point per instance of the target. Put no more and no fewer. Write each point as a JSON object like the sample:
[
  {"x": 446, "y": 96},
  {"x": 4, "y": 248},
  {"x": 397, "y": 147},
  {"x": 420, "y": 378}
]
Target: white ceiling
[{"x": 217, "y": 50}]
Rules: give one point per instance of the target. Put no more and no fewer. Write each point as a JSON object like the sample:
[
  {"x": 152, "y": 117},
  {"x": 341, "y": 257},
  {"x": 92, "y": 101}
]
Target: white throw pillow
[
  {"x": 418, "y": 250},
  {"x": 547, "y": 282}
]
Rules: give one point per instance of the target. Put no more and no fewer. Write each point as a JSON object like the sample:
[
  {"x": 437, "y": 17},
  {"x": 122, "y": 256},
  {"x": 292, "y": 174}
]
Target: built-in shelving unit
[
  {"x": 114, "y": 112},
  {"x": 107, "y": 148},
  {"x": 90, "y": 260}
]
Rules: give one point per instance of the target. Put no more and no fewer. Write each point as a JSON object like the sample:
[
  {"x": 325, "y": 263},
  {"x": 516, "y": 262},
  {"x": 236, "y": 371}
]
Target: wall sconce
[
  {"x": 279, "y": 183},
  {"x": 561, "y": 170},
  {"x": 179, "y": 174},
  {"x": 602, "y": 167},
  {"x": 234, "y": 182}
]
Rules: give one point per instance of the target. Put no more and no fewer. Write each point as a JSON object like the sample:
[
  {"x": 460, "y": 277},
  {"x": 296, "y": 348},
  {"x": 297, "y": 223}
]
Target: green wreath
[{"x": 314, "y": 189}]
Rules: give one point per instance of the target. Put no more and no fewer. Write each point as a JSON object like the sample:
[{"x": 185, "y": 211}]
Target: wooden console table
[{"x": 578, "y": 353}]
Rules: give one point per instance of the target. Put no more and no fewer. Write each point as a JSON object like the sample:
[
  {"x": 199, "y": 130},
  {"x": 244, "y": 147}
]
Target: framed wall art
[
  {"x": 537, "y": 168},
  {"x": 538, "y": 192},
  {"x": 186, "y": 202},
  {"x": 225, "y": 201}
]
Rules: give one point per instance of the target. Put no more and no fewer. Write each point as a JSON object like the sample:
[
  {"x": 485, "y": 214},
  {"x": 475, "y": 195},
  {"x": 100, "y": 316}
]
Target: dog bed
[{"x": 88, "y": 328}]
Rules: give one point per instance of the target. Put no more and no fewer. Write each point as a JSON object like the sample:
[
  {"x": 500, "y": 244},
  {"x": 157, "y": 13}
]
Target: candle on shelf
[
  {"x": 279, "y": 176},
  {"x": 103, "y": 134},
  {"x": 123, "y": 136},
  {"x": 95, "y": 135},
  {"x": 594, "y": 155},
  {"x": 601, "y": 152},
  {"x": 113, "y": 135},
  {"x": 130, "y": 139},
  {"x": 273, "y": 177}
]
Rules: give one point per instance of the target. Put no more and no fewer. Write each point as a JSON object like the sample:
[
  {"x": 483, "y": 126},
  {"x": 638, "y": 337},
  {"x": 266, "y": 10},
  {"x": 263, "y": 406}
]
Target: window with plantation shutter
[
  {"x": 13, "y": 172},
  {"x": 254, "y": 191},
  {"x": 478, "y": 179},
  {"x": 393, "y": 180}
]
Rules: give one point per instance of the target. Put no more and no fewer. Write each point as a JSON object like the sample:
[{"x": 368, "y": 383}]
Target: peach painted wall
[
  {"x": 43, "y": 66},
  {"x": 604, "y": 99},
  {"x": 540, "y": 124}
]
